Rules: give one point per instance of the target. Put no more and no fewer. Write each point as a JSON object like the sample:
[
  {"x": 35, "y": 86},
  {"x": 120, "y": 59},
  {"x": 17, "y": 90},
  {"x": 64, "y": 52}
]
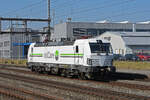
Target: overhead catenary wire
[
  {"x": 41, "y": 11},
  {"x": 96, "y": 8},
  {"x": 87, "y": 10},
  {"x": 73, "y": 13},
  {"x": 63, "y": 5},
  {"x": 130, "y": 13},
  {"x": 73, "y": 8},
  {"x": 25, "y": 7},
  {"x": 82, "y": 9},
  {"x": 127, "y": 13}
]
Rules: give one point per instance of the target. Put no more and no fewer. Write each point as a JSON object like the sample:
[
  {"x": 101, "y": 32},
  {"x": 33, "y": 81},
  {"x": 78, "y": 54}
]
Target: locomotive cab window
[
  {"x": 77, "y": 49},
  {"x": 100, "y": 47}
]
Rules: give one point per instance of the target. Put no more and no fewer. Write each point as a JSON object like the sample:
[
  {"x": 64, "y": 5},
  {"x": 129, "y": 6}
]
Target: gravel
[{"x": 90, "y": 84}]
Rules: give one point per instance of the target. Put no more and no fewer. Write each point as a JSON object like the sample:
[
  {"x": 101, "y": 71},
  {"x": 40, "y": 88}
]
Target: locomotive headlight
[{"x": 89, "y": 61}]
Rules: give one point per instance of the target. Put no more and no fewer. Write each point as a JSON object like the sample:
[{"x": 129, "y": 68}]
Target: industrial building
[
  {"x": 15, "y": 40},
  {"x": 128, "y": 42},
  {"x": 16, "y": 45},
  {"x": 76, "y": 30}
]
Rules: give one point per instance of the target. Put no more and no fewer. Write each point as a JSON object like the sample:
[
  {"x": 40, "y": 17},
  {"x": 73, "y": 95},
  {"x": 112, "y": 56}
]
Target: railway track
[
  {"x": 98, "y": 93},
  {"x": 112, "y": 83},
  {"x": 22, "y": 94},
  {"x": 9, "y": 95},
  {"x": 114, "y": 76}
]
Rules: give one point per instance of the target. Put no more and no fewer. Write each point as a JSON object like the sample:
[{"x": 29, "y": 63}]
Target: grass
[
  {"x": 119, "y": 64},
  {"x": 132, "y": 65},
  {"x": 13, "y": 62}
]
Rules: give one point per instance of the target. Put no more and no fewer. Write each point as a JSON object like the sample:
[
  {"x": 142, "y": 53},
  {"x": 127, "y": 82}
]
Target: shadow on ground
[{"x": 123, "y": 76}]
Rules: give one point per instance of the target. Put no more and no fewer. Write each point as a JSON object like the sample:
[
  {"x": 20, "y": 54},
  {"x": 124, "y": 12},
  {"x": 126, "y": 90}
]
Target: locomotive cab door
[{"x": 30, "y": 55}]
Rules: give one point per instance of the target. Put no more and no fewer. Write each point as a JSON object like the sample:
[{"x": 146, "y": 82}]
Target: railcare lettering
[{"x": 48, "y": 55}]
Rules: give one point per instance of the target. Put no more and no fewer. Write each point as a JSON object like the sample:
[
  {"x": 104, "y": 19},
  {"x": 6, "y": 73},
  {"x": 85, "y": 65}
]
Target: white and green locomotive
[{"x": 85, "y": 58}]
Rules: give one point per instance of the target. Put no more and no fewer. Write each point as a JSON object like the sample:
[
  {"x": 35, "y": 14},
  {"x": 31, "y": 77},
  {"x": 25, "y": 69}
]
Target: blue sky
[{"x": 79, "y": 10}]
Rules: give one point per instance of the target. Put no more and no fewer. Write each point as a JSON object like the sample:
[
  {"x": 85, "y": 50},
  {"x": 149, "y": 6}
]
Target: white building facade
[{"x": 128, "y": 42}]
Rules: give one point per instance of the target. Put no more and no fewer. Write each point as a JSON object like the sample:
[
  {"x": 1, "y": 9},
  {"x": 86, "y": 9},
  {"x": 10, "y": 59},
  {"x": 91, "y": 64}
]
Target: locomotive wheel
[
  {"x": 113, "y": 69},
  {"x": 89, "y": 76},
  {"x": 32, "y": 69},
  {"x": 63, "y": 73},
  {"x": 36, "y": 70},
  {"x": 40, "y": 71},
  {"x": 67, "y": 74},
  {"x": 49, "y": 72},
  {"x": 82, "y": 76},
  {"x": 104, "y": 73}
]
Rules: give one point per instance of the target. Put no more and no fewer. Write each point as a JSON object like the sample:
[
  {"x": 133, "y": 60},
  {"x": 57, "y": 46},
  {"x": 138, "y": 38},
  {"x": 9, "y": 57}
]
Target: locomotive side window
[{"x": 77, "y": 49}]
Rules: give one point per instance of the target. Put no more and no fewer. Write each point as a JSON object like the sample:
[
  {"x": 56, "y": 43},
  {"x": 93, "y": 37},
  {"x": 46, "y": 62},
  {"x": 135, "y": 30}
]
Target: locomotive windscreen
[{"x": 100, "y": 47}]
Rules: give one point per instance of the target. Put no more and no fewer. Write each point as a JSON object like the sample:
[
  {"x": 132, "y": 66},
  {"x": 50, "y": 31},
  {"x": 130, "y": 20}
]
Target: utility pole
[
  {"x": 0, "y": 26},
  {"x": 49, "y": 22},
  {"x": 53, "y": 17}
]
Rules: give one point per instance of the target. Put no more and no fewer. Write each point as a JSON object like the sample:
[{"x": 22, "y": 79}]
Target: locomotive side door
[{"x": 76, "y": 55}]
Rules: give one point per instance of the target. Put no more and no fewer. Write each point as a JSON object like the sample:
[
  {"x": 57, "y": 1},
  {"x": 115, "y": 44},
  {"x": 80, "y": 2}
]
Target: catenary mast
[{"x": 49, "y": 22}]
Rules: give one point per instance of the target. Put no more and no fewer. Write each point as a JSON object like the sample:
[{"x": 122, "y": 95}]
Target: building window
[
  {"x": 6, "y": 53},
  {"x": 35, "y": 38},
  {"x": 79, "y": 31},
  {"x": 94, "y": 32},
  {"x": 1, "y": 44},
  {"x": 107, "y": 38},
  {"x": 6, "y": 43},
  {"x": 1, "y": 53}
]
